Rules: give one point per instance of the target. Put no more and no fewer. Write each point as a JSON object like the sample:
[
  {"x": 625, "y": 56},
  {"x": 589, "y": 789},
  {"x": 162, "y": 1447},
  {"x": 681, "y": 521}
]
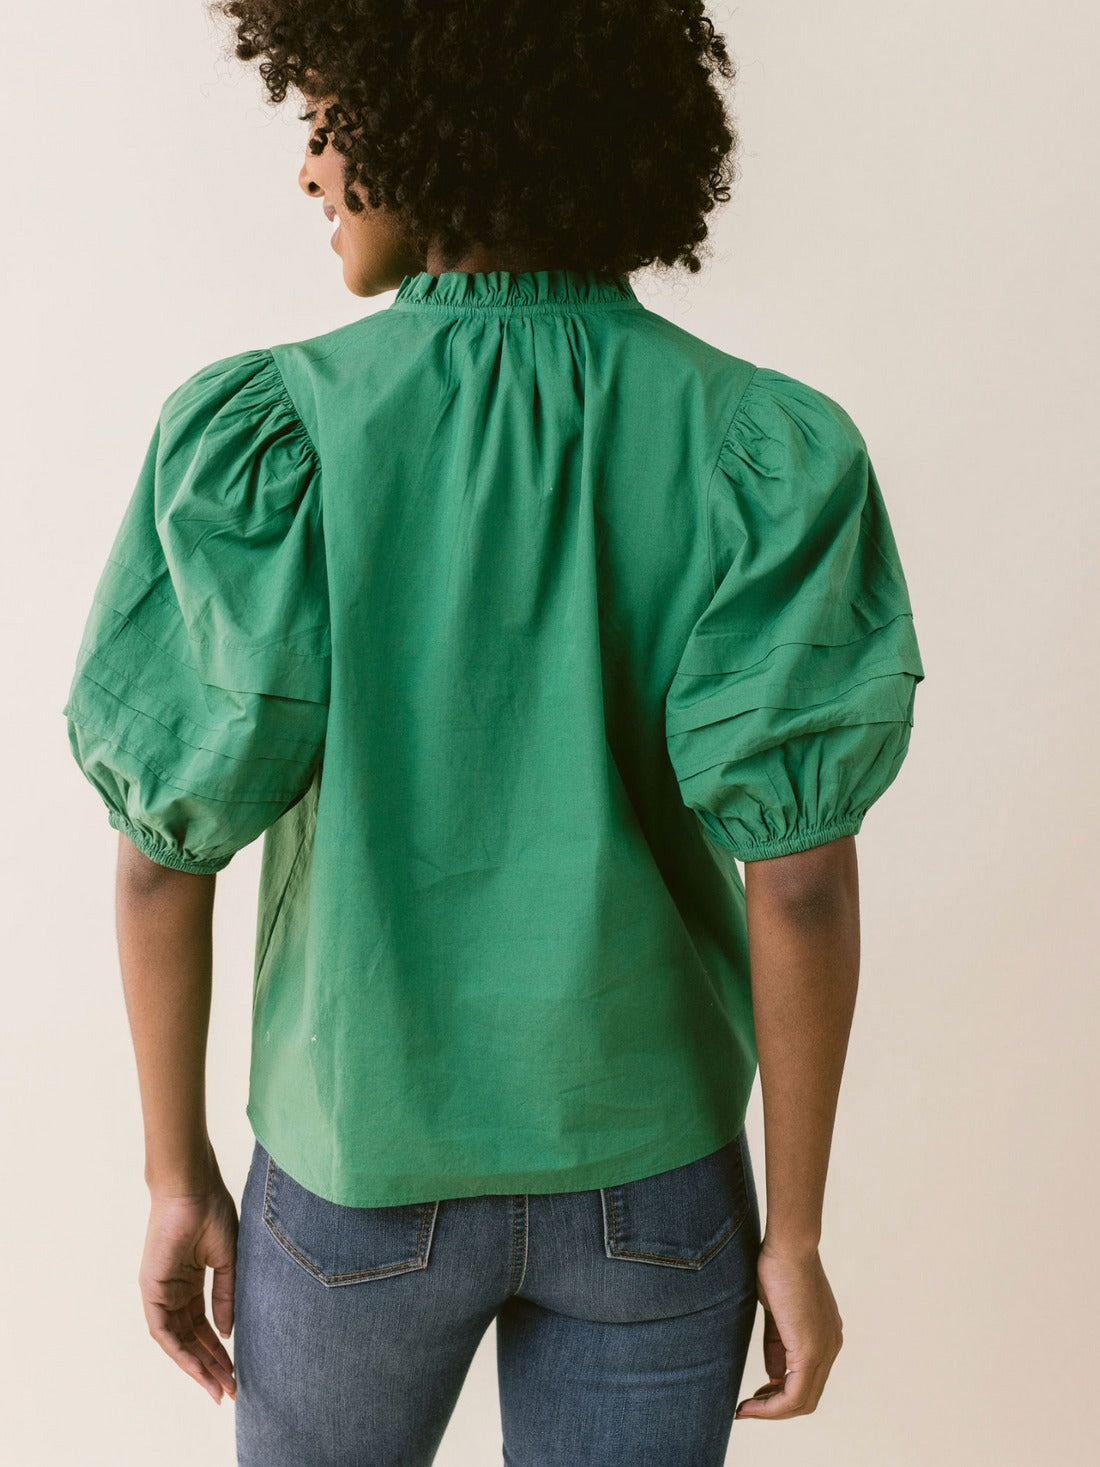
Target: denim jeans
[{"x": 623, "y": 1318}]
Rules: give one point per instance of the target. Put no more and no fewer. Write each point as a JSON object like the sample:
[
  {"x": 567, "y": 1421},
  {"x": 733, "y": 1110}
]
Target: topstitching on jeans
[{"x": 517, "y": 1212}]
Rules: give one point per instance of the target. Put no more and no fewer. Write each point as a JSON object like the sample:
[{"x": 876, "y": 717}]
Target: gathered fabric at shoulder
[
  {"x": 792, "y": 704},
  {"x": 237, "y": 511},
  {"x": 199, "y": 701}
]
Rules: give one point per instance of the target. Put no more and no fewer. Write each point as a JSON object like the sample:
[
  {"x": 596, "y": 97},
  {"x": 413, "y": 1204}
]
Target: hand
[
  {"x": 188, "y": 1234},
  {"x": 802, "y": 1334}
]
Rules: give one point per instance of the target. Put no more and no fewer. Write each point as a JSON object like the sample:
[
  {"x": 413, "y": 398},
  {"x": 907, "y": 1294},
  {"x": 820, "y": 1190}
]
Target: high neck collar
[{"x": 510, "y": 290}]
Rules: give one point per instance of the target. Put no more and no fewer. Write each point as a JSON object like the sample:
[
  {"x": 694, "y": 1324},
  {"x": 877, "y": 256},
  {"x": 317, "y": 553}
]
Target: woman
[{"x": 512, "y": 615}]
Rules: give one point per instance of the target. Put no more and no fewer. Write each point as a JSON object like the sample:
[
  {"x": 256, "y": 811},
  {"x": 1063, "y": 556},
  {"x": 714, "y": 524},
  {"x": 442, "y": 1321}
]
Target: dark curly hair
[{"x": 591, "y": 133}]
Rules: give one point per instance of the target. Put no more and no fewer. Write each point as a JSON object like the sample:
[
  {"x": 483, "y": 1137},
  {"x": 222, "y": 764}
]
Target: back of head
[{"x": 591, "y": 134}]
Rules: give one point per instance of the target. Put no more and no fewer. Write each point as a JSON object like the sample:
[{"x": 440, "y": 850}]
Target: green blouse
[{"x": 511, "y": 615}]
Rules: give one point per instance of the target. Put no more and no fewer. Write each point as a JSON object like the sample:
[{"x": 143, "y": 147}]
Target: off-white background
[{"x": 915, "y": 231}]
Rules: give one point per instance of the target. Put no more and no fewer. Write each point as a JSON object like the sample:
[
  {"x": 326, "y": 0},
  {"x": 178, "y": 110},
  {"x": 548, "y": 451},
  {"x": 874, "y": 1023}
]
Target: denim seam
[
  {"x": 526, "y": 1236},
  {"x": 514, "y": 1287}
]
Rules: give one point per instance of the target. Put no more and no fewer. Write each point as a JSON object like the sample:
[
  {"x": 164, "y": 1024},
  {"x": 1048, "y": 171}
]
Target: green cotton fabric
[{"x": 512, "y": 616}]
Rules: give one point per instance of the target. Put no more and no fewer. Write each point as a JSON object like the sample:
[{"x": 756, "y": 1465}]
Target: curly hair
[{"x": 592, "y": 133}]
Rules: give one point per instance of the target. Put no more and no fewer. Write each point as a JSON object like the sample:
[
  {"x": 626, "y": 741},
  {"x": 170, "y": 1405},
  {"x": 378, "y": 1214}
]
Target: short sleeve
[
  {"x": 790, "y": 711},
  {"x": 199, "y": 701}
]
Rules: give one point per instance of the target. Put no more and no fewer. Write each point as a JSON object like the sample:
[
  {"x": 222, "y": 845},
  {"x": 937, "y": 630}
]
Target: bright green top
[{"x": 510, "y": 615}]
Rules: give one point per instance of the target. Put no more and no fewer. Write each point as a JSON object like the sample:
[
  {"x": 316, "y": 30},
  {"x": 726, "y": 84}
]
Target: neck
[{"x": 478, "y": 258}]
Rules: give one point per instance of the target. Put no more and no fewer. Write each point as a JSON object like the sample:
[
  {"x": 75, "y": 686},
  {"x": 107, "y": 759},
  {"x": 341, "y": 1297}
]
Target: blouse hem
[{"x": 433, "y": 1187}]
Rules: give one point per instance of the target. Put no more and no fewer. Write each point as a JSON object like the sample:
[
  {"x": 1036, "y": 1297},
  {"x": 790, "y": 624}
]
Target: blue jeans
[{"x": 623, "y": 1318}]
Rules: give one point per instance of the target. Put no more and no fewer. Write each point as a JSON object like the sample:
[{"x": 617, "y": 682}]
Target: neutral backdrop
[{"x": 915, "y": 232}]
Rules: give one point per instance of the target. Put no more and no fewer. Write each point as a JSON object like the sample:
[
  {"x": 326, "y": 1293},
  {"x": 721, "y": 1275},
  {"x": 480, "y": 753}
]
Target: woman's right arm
[{"x": 803, "y": 924}]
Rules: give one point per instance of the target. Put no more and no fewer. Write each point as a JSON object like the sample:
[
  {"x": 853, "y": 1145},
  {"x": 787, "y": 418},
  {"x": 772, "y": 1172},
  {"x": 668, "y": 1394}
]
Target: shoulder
[
  {"x": 792, "y": 467},
  {"x": 243, "y": 381},
  {"x": 239, "y": 400},
  {"x": 224, "y": 373},
  {"x": 317, "y": 371},
  {"x": 339, "y": 341},
  {"x": 741, "y": 401},
  {"x": 230, "y": 446},
  {"x": 272, "y": 370},
  {"x": 791, "y": 413}
]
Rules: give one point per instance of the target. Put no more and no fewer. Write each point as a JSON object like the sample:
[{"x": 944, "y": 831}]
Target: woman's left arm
[{"x": 164, "y": 925}]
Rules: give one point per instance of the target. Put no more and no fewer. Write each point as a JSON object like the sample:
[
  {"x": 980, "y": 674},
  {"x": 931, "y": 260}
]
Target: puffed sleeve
[
  {"x": 199, "y": 701},
  {"x": 790, "y": 711}
]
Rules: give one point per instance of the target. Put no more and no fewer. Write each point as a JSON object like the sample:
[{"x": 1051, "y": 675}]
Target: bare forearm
[
  {"x": 164, "y": 927},
  {"x": 804, "y": 952}
]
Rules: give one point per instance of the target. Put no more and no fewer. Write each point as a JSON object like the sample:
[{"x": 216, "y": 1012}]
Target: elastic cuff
[
  {"x": 787, "y": 845},
  {"x": 163, "y": 855}
]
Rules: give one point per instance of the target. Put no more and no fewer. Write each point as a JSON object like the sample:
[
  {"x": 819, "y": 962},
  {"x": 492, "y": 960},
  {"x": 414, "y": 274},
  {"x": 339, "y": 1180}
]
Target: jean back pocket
[
  {"x": 683, "y": 1217},
  {"x": 345, "y": 1245}
]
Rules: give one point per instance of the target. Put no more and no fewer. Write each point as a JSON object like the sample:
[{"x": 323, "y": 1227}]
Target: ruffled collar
[{"x": 488, "y": 290}]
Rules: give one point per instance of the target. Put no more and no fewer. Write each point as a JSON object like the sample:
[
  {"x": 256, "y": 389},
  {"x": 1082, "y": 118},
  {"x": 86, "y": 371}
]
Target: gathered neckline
[{"x": 509, "y": 290}]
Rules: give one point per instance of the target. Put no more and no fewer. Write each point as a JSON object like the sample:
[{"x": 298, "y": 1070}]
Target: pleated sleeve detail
[
  {"x": 791, "y": 708},
  {"x": 199, "y": 700}
]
